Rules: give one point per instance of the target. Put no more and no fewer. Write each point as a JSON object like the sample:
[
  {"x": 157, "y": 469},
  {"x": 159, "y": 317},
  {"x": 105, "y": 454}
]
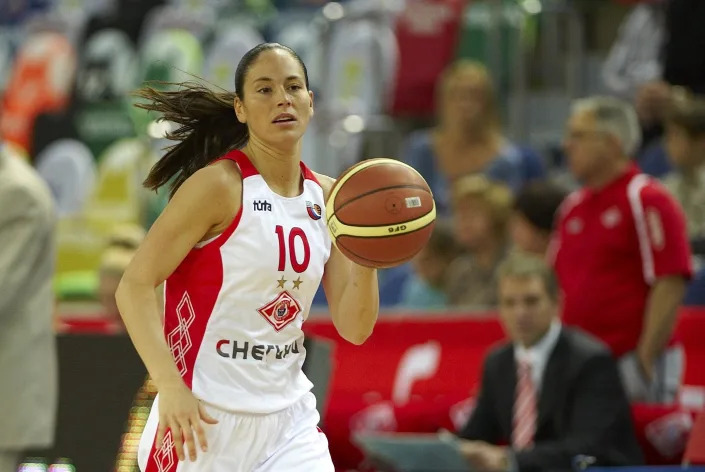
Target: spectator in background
[
  {"x": 426, "y": 287},
  {"x": 652, "y": 101},
  {"x": 685, "y": 142},
  {"x": 28, "y": 359},
  {"x": 532, "y": 221},
  {"x": 660, "y": 50},
  {"x": 468, "y": 137},
  {"x": 620, "y": 250},
  {"x": 683, "y": 56},
  {"x": 481, "y": 212},
  {"x": 552, "y": 393}
]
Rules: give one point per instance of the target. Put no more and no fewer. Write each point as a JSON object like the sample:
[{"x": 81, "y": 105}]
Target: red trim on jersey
[
  {"x": 308, "y": 174},
  {"x": 243, "y": 162},
  {"x": 165, "y": 459},
  {"x": 247, "y": 169},
  {"x": 225, "y": 235},
  {"x": 190, "y": 295}
]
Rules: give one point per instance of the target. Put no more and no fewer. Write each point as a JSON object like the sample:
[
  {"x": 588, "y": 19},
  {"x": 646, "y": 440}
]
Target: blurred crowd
[
  {"x": 70, "y": 67},
  {"x": 493, "y": 196}
]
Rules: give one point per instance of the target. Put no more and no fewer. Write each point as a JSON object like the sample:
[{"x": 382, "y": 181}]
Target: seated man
[{"x": 552, "y": 393}]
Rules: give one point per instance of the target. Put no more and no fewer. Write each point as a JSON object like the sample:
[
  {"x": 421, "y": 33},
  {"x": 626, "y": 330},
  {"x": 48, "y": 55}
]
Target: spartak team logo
[
  {"x": 281, "y": 311},
  {"x": 314, "y": 210}
]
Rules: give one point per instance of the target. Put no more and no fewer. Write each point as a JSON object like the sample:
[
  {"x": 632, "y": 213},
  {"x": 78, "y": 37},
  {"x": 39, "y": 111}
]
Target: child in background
[
  {"x": 426, "y": 287},
  {"x": 532, "y": 220},
  {"x": 481, "y": 211}
]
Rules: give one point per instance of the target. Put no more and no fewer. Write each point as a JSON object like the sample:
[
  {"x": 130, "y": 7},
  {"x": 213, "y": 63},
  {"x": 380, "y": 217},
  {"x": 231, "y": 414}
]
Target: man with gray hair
[{"x": 620, "y": 251}]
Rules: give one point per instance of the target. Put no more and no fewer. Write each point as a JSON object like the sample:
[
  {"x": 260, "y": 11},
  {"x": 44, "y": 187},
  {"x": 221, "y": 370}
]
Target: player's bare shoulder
[
  {"x": 218, "y": 188},
  {"x": 220, "y": 180},
  {"x": 326, "y": 183}
]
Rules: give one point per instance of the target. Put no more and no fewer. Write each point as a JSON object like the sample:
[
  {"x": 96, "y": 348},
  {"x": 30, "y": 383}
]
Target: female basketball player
[{"x": 242, "y": 246}]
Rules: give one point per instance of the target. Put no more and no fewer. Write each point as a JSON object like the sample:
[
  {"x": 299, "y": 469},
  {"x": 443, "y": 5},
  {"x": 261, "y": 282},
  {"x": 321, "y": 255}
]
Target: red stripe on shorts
[{"x": 164, "y": 459}]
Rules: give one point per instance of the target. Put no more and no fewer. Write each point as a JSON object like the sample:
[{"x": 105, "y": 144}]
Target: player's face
[
  {"x": 585, "y": 145},
  {"x": 276, "y": 106},
  {"x": 526, "y": 308}
]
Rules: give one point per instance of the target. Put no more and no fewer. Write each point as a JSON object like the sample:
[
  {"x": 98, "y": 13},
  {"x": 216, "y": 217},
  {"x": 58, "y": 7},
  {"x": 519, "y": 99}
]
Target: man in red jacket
[{"x": 620, "y": 250}]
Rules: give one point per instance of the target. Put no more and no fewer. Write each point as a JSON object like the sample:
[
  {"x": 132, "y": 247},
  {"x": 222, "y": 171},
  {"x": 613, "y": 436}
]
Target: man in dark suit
[{"x": 552, "y": 393}]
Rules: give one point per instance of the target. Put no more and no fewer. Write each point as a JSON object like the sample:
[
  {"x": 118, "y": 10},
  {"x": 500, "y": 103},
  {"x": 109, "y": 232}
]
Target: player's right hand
[{"x": 181, "y": 412}]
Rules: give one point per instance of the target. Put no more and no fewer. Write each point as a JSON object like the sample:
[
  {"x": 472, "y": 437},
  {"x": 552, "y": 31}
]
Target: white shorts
[{"x": 288, "y": 440}]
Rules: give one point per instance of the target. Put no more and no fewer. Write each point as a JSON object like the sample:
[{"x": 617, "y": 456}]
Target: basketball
[{"x": 380, "y": 213}]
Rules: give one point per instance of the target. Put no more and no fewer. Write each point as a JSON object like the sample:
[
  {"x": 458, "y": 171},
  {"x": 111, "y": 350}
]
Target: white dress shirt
[{"x": 538, "y": 354}]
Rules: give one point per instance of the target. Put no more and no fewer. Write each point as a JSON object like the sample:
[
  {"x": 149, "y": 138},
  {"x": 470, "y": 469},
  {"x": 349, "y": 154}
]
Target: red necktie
[{"x": 524, "y": 426}]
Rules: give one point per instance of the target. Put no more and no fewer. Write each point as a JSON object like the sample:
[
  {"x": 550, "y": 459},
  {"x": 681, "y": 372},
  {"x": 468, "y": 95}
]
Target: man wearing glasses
[{"x": 621, "y": 252}]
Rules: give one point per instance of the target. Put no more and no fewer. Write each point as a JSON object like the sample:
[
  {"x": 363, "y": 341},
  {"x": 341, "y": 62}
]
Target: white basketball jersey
[{"x": 235, "y": 306}]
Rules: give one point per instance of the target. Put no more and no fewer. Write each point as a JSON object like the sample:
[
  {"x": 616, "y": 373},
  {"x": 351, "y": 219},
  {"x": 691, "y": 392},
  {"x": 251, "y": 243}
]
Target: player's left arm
[
  {"x": 667, "y": 262},
  {"x": 351, "y": 289}
]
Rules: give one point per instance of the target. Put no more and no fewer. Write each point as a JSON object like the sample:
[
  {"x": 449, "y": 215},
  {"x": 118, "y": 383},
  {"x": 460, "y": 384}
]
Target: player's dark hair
[{"x": 207, "y": 125}]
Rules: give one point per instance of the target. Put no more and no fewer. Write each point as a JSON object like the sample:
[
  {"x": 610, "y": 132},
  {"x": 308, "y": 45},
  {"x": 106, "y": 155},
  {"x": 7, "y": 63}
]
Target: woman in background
[
  {"x": 468, "y": 138},
  {"x": 481, "y": 212}
]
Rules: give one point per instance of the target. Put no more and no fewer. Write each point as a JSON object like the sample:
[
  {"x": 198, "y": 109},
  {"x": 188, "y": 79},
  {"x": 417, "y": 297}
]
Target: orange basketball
[{"x": 380, "y": 213}]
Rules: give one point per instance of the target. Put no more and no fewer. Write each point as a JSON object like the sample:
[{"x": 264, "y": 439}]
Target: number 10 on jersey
[{"x": 294, "y": 234}]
